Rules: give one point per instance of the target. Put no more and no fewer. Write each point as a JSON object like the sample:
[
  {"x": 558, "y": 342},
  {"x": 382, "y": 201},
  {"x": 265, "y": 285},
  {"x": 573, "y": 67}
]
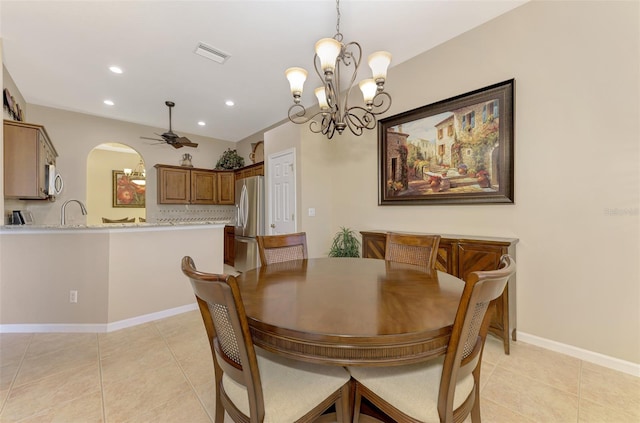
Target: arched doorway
[{"x": 106, "y": 166}]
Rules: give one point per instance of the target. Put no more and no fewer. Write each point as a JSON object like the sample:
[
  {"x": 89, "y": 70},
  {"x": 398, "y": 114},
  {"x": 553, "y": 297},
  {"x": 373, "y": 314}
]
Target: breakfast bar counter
[{"x": 120, "y": 274}]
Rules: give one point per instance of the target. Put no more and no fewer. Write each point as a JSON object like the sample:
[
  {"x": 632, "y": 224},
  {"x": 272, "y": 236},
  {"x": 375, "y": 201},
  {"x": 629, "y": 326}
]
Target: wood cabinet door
[
  {"x": 373, "y": 244},
  {"x": 26, "y": 154},
  {"x": 244, "y": 173},
  {"x": 445, "y": 261},
  {"x": 478, "y": 256},
  {"x": 174, "y": 185},
  {"x": 229, "y": 245},
  {"x": 203, "y": 187},
  {"x": 226, "y": 188},
  {"x": 484, "y": 256}
]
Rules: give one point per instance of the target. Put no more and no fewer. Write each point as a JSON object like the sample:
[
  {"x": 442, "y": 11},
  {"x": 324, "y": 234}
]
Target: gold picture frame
[
  {"x": 126, "y": 193},
  {"x": 455, "y": 151}
]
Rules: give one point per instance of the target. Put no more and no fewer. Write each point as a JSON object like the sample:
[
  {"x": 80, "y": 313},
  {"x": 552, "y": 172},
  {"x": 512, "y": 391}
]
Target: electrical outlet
[
  {"x": 73, "y": 296},
  {"x": 312, "y": 212}
]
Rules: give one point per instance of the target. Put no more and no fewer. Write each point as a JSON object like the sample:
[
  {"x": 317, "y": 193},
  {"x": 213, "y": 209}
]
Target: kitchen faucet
[{"x": 83, "y": 209}]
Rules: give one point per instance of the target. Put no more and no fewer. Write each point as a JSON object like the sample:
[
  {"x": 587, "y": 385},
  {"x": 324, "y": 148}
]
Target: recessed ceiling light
[
  {"x": 229, "y": 103},
  {"x": 108, "y": 102},
  {"x": 201, "y": 123},
  {"x": 115, "y": 69}
]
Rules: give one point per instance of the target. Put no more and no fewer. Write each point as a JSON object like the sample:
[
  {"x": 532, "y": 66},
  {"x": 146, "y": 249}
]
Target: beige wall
[
  {"x": 32, "y": 294},
  {"x": 145, "y": 275},
  {"x": 577, "y": 184},
  {"x": 118, "y": 274},
  {"x": 100, "y": 166}
]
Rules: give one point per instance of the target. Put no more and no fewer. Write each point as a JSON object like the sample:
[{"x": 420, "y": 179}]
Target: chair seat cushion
[
  {"x": 412, "y": 389},
  {"x": 290, "y": 388}
]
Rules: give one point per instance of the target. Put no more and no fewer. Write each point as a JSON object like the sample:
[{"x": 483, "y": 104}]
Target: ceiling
[{"x": 59, "y": 53}]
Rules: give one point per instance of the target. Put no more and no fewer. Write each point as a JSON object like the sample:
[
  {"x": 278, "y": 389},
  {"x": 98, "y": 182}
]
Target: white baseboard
[
  {"x": 95, "y": 327},
  {"x": 586, "y": 355}
]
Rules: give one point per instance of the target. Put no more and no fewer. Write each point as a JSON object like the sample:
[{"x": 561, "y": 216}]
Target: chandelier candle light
[
  {"x": 138, "y": 175},
  {"x": 335, "y": 112}
]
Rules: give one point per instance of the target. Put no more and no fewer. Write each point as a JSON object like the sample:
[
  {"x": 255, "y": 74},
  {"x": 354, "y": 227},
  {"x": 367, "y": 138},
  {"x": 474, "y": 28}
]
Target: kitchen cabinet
[
  {"x": 460, "y": 255},
  {"x": 174, "y": 185},
  {"x": 182, "y": 185},
  {"x": 226, "y": 187},
  {"x": 204, "y": 187},
  {"x": 229, "y": 245},
  {"x": 256, "y": 169},
  {"x": 27, "y": 152}
]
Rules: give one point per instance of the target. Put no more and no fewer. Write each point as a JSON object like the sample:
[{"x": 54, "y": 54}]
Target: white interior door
[{"x": 281, "y": 174}]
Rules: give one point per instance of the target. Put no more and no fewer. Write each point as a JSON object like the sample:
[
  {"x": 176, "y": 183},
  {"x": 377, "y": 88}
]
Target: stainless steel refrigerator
[{"x": 250, "y": 208}]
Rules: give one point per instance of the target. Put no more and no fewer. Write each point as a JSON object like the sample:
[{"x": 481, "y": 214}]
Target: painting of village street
[{"x": 452, "y": 154}]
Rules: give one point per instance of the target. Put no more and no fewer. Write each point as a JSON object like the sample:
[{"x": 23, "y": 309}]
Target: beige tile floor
[{"x": 162, "y": 372}]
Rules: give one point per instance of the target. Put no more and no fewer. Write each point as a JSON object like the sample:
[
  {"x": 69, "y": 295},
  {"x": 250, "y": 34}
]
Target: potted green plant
[
  {"x": 345, "y": 244},
  {"x": 230, "y": 160}
]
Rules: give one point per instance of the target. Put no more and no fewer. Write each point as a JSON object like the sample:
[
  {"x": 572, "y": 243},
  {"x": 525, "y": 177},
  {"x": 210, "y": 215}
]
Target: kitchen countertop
[{"x": 112, "y": 226}]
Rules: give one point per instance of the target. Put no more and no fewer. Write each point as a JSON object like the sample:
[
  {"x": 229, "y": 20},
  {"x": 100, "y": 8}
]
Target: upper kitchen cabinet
[
  {"x": 226, "y": 187},
  {"x": 27, "y": 152},
  {"x": 180, "y": 185},
  {"x": 256, "y": 169}
]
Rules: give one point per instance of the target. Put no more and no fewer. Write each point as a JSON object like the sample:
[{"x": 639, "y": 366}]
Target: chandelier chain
[{"x": 338, "y": 35}]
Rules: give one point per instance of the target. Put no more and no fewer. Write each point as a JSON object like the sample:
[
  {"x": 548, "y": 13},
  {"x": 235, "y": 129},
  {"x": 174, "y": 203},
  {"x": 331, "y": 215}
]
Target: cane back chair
[
  {"x": 445, "y": 389},
  {"x": 421, "y": 250},
  {"x": 253, "y": 385},
  {"x": 279, "y": 248}
]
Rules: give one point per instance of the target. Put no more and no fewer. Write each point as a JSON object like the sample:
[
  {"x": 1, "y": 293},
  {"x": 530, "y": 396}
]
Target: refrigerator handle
[
  {"x": 238, "y": 215},
  {"x": 244, "y": 201}
]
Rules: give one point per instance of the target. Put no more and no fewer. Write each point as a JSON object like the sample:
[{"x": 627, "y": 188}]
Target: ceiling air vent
[{"x": 211, "y": 53}]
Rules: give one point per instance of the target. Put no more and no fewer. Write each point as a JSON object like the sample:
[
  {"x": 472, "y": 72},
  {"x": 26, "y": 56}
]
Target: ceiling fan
[{"x": 170, "y": 137}]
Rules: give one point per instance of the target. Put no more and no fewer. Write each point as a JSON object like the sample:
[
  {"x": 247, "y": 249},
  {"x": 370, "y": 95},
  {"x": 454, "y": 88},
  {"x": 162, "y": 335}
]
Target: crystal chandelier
[
  {"x": 137, "y": 175},
  {"x": 336, "y": 113}
]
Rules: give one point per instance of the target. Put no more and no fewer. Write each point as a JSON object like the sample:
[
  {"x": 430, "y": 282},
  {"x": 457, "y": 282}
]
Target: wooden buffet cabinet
[
  {"x": 27, "y": 152},
  {"x": 184, "y": 185},
  {"x": 459, "y": 255}
]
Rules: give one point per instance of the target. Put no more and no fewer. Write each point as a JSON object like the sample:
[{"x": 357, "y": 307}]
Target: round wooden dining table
[{"x": 350, "y": 311}]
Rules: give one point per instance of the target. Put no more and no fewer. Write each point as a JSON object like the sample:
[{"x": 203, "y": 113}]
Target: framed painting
[
  {"x": 455, "y": 151},
  {"x": 126, "y": 193}
]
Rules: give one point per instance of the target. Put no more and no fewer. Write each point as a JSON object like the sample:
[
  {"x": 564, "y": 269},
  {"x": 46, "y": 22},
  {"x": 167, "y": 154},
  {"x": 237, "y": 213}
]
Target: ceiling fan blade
[
  {"x": 171, "y": 137},
  {"x": 185, "y": 141}
]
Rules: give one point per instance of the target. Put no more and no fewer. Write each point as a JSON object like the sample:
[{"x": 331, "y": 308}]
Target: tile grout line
[
  {"x": 184, "y": 374},
  {"x": 104, "y": 412},
  {"x": 579, "y": 389},
  {"x": 15, "y": 376}
]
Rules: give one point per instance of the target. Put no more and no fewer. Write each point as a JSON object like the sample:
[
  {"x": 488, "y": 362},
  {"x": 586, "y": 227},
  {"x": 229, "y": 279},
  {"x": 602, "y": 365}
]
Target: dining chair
[
  {"x": 279, "y": 248},
  {"x": 253, "y": 385},
  {"x": 421, "y": 250},
  {"x": 123, "y": 220},
  {"x": 446, "y": 389}
]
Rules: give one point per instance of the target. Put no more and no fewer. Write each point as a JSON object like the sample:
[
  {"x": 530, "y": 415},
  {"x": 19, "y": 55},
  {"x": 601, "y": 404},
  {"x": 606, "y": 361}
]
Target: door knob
[{"x": 273, "y": 225}]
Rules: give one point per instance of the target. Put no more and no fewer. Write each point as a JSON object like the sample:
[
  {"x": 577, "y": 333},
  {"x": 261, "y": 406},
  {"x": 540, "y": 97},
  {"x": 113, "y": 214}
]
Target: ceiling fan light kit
[
  {"x": 171, "y": 137},
  {"x": 336, "y": 113}
]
